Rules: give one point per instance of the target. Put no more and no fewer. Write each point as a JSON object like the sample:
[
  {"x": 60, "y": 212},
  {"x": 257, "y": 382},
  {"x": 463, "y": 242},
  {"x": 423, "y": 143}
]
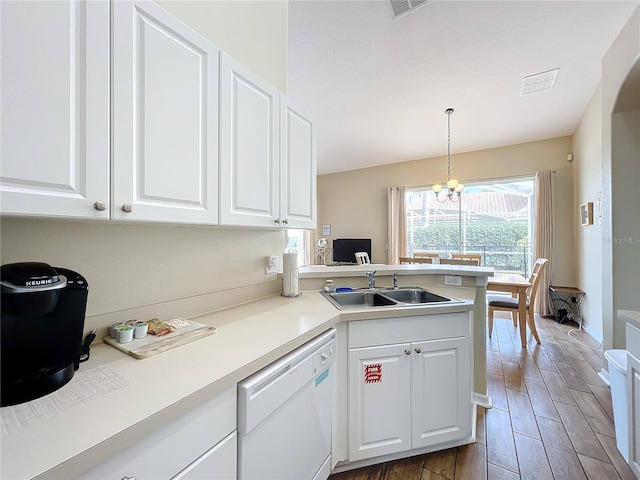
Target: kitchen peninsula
[{"x": 165, "y": 388}]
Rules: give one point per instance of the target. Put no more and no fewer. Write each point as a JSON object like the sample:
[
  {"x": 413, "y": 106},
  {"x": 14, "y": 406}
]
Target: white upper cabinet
[
  {"x": 267, "y": 154},
  {"x": 298, "y": 204},
  {"x": 249, "y": 148},
  {"x": 54, "y": 140},
  {"x": 165, "y": 118},
  {"x": 113, "y": 110}
]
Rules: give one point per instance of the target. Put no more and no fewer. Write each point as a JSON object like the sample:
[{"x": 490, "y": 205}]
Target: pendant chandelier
[{"x": 454, "y": 189}]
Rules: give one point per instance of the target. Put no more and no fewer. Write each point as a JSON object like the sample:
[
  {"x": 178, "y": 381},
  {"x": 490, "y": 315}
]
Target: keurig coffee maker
[{"x": 42, "y": 321}]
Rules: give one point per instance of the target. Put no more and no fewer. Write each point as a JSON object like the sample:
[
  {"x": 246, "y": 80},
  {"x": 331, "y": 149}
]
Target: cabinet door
[
  {"x": 379, "y": 401},
  {"x": 441, "y": 391},
  {"x": 633, "y": 406},
  {"x": 298, "y": 204},
  {"x": 179, "y": 447},
  {"x": 219, "y": 463},
  {"x": 54, "y": 140},
  {"x": 165, "y": 114},
  {"x": 249, "y": 148}
]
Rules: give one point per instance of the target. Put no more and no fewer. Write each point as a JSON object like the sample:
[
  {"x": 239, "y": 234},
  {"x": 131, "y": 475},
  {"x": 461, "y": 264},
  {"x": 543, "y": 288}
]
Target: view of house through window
[
  {"x": 295, "y": 242},
  {"x": 494, "y": 219}
]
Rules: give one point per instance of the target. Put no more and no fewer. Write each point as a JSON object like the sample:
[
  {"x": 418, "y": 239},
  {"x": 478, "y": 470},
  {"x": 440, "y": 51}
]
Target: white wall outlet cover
[
  {"x": 271, "y": 263},
  {"x": 455, "y": 280}
]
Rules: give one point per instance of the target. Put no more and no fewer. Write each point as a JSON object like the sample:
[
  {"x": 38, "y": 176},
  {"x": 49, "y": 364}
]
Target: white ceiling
[{"x": 378, "y": 87}]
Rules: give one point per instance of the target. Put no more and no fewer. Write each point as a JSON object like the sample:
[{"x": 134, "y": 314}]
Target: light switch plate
[
  {"x": 454, "y": 280},
  {"x": 271, "y": 264}
]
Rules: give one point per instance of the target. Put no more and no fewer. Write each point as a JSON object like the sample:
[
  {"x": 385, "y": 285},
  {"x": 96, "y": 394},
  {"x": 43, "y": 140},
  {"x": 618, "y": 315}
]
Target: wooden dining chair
[
  {"x": 414, "y": 260},
  {"x": 467, "y": 256},
  {"x": 431, "y": 255},
  {"x": 502, "y": 303},
  {"x": 362, "y": 258},
  {"x": 459, "y": 261}
]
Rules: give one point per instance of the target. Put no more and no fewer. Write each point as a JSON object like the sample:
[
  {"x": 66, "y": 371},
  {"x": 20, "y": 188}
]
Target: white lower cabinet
[
  {"x": 408, "y": 394},
  {"x": 633, "y": 396},
  {"x": 219, "y": 463},
  {"x": 199, "y": 445},
  {"x": 380, "y": 401}
]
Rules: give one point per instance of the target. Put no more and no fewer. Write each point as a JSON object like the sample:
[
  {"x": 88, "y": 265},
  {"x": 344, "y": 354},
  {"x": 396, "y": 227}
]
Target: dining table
[{"x": 518, "y": 284}]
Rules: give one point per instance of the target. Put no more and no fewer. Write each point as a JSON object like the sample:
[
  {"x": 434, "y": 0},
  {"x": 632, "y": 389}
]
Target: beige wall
[
  {"x": 254, "y": 32},
  {"x": 620, "y": 178},
  {"x": 355, "y": 202},
  {"x": 129, "y": 266},
  {"x": 587, "y": 163},
  {"x": 134, "y": 265}
]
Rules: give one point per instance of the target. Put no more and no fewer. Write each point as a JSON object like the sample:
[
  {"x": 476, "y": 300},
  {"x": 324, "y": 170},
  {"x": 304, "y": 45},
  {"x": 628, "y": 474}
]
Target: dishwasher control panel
[{"x": 324, "y": 357}]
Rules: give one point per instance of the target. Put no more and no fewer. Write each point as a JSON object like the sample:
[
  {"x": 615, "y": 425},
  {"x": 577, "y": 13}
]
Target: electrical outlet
[
  {"x": 271, "y": 264},
  {"x": 455, "y": 280}
]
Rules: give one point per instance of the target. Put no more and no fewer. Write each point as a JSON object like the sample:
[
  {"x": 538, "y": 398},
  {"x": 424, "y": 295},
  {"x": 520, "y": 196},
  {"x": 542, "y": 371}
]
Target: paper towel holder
[
  {"x": 290, "y": 275},
  {"x": 294, "y": 284}
]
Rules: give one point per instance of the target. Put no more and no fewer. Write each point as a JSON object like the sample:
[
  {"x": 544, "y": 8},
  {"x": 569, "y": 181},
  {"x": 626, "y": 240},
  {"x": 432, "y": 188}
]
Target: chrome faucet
[
  {"x": 372, "y": 278},
  {"x": 395, "y": 280}
]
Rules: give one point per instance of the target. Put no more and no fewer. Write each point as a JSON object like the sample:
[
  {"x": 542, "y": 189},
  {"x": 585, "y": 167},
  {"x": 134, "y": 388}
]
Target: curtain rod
[{"x": 484, "y": 180}]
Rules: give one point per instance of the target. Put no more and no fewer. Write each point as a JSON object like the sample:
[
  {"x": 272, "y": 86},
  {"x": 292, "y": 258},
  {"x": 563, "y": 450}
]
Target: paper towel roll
[{"x": 290, "y": 282}]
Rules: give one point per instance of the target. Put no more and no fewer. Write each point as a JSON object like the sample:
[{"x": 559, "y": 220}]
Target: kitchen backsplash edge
[{"x": 184, "y": 307}]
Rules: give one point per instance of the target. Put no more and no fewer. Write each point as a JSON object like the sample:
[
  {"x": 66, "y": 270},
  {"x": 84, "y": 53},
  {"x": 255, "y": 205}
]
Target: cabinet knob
[
  {"x": 277, "y": 220},
  {"x": 418, "y": 350},
  {"x": 100, "y": 206},
  {"x": 285, "y": 221},
  {"x": 408, "y": 351},
  {"x": 126, "y": 208}
]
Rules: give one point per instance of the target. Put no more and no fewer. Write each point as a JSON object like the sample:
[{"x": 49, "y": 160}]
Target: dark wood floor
[{"x": 552, "y": 417}]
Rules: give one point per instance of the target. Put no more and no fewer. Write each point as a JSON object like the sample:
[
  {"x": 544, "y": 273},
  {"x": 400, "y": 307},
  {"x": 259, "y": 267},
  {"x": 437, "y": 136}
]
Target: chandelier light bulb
[
  {"x": 452, "y": 184},
  {"x": 437, "y": 188},
  {"x": 459, "y": 188}
]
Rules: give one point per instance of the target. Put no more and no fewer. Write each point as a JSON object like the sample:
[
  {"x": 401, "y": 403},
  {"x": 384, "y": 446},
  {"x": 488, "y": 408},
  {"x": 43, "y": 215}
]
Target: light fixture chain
[
  {"x": 448, "y": 147},
  {"x": 453, "y": 189}
]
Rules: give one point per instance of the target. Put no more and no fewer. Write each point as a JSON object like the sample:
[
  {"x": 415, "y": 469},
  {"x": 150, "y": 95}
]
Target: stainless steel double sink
[{"x": 385, "y": 297}]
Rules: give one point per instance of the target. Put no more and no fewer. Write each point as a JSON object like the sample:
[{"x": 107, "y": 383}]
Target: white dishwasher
[{"x": 284, "y": 415}]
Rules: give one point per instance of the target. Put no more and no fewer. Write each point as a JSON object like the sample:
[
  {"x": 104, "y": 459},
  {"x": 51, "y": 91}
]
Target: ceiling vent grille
[
  {"x": 539, "y": 82},
  {"x": 398, "y": 7}
]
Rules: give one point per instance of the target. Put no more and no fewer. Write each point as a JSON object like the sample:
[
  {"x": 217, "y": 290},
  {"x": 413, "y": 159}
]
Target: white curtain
[
  {"x": 543, "y": 237},
  {"x": 309, "y": 248},
  {"x": 397, "y": 225}
]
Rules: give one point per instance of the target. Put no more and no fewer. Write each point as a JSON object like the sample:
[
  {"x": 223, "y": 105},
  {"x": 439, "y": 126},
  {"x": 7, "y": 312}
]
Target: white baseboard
[
  {"x": 482, "y": 400},
  {"x": 604, "y": 375}
]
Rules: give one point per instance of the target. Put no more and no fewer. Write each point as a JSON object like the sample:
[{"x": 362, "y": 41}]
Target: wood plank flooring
[{"x": 552, "y": 416}]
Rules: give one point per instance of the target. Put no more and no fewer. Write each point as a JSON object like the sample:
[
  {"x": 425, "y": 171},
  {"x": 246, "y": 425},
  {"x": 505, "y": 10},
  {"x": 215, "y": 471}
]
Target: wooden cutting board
[{"x": 152, "y": 345}]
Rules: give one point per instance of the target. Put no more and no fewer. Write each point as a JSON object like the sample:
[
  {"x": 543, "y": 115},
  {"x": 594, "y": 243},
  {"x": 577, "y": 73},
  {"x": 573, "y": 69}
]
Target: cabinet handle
[
  {"x": 126, "y": 208},
  {"x": 128, "y": 478},
  {"x": 418, "y": 350},
  {"x": 277, "y": 220},
  {"x": 408, "y": 351},
  {"x": 285, "y": 221},
  {"x": 100, "y": 206}
]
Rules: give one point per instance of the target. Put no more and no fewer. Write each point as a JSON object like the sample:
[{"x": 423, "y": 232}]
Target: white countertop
[
  {"x": 321, "y": 271},
  {"x": 165, "y": 386},
  {"x": 631, "y": 316}
]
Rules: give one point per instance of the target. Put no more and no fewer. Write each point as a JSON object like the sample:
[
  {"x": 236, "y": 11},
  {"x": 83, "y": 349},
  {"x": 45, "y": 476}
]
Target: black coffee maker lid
[{"x": 30, "y": 276}]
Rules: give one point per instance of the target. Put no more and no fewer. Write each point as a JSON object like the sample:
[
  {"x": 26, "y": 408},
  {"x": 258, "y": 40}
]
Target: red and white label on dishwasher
[{"x": 373, "y": 373}]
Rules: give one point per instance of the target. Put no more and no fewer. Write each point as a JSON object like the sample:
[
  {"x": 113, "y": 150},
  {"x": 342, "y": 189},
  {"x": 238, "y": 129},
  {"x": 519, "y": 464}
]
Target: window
[
  {"x": 494, "y": 219},
  {"x": 297, "y": 241}
]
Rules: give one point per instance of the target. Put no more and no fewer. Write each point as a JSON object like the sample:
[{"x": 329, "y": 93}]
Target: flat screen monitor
[{"x": 344, "y": 249}]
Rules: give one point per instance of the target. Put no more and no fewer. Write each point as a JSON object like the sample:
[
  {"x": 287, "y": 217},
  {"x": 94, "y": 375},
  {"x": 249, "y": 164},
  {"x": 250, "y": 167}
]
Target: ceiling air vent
[
  {"x": 398, "y": 7},
  {"x": 539, "y": 82}
]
